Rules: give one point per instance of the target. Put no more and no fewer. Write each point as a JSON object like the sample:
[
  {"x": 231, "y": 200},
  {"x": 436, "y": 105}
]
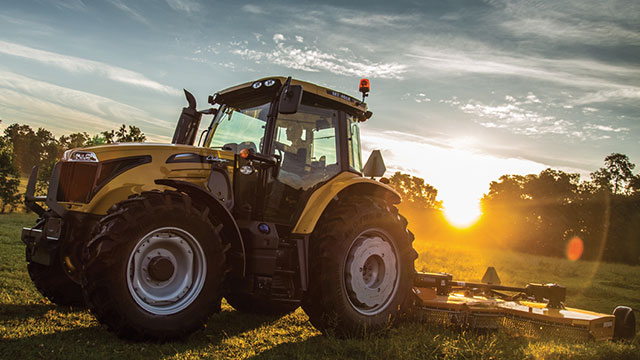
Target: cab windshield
[{"x": 240, "y": 128}]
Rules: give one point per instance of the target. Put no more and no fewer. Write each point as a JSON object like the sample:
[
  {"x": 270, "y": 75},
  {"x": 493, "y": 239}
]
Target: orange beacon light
[{"x": 364, "y": 88}]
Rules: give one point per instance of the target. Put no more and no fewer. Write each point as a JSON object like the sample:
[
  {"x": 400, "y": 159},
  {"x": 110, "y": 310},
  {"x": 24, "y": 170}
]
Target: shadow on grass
[
  {"x": 10, "y": 312},
  {"x": 97, "y": 342},
  {"x": 409, "y": 340}
]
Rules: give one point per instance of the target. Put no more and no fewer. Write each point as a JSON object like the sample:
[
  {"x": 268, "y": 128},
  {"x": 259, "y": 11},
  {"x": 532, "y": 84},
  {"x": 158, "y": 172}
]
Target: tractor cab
[{"x": 290, "y": 137}]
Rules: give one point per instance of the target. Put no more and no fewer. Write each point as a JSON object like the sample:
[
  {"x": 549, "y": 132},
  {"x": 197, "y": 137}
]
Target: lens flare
[{"x": 575, "y": 247}]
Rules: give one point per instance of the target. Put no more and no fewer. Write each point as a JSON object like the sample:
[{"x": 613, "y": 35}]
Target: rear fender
[
  {"x": 230, "y": 228},
  {"x": 345, "y": 184}
]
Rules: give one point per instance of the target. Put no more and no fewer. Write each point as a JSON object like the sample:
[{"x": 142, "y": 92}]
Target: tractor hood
[
  {"x": 92, "y": 179},
  {"x": 101, "y": 153}
]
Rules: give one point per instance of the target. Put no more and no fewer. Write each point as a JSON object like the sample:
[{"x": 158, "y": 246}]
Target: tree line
[
  {"x": 542, "y": 213},
  {"x": 22, "y": 147},
  {"x": 535, "y": 213}
]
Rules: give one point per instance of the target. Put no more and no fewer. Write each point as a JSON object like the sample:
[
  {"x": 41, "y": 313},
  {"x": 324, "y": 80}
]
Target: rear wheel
[
  {"x": 361, "y": 265},
  {"x": 155, "y": 268}
]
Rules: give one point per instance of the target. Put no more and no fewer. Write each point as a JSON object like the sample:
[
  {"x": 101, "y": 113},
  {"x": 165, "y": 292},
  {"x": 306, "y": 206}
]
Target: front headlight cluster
[{"x": 79, "y": 156}]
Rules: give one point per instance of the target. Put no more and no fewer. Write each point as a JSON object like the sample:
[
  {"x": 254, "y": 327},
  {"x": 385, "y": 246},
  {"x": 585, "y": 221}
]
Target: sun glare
[{"x": 462, "y": 214}]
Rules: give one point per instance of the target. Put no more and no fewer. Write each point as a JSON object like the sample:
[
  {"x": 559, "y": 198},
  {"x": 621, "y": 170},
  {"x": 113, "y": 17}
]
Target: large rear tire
[
  {"x": 361, "y": 267},
  {"x": 155, "y": 268}
]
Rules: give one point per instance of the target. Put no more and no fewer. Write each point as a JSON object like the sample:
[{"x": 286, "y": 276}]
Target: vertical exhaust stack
[{"x": 188, "y": 124}]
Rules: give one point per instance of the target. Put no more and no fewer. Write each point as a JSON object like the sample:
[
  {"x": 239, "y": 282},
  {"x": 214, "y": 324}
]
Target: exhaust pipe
[{"x": 188, "y": 123}]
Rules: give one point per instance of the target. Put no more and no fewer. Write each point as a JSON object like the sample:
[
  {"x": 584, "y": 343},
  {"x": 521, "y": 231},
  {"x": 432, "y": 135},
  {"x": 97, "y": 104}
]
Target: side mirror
[
  {"x": 375, "y": 165},
  {"x": 290, "y": 99}
]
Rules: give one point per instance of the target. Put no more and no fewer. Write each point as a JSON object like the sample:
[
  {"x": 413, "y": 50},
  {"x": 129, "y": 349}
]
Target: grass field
[{"x": 33, "y": 328}]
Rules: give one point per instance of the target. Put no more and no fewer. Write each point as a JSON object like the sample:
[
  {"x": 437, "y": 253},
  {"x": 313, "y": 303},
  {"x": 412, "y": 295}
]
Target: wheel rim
[
  {"x": 166, "y": 271},
  {"x": 371, "y": 272}
]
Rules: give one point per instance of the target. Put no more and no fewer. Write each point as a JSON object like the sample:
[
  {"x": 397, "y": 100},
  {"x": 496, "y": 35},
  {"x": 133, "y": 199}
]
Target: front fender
[
  {"x": 343, "y": 184},
  {"x": 230, "y": 227}
]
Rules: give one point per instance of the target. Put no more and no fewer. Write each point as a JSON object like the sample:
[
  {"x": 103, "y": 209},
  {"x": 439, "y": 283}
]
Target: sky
[{"x": 462, "y": 91}]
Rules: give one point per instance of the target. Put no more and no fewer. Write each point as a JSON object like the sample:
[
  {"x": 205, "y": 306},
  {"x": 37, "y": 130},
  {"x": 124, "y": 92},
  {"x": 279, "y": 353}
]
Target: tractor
[{"x": 269, "y": 207}]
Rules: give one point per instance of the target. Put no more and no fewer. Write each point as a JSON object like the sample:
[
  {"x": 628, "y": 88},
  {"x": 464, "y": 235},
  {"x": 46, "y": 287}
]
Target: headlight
[{"x": 81, "y": 156}]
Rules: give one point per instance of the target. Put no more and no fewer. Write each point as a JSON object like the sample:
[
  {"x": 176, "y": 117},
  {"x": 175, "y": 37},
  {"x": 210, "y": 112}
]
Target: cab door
[{"x": 307, "y": 143}]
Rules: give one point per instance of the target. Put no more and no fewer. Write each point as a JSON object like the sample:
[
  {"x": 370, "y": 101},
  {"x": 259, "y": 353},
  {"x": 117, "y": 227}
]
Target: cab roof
[{"x": 307, "y": 86}]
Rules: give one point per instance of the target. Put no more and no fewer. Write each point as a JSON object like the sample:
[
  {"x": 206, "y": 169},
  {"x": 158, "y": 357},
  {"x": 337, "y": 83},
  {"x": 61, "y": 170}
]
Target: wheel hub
[
  {"x": 166, "y": 271},
  {"x": 371, "y": 273},
  {"x": 161, "y": 268}
]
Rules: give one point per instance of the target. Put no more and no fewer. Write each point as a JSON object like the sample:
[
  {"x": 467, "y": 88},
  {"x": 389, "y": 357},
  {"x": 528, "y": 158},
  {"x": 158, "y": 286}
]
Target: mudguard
[
  {"x": 230, "y": 228},
  {"x": 345, "y": 183}
]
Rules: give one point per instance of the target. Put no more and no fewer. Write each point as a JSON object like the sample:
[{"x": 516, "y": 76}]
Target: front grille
[
  {"x": 80, "y": 181},
  {"x": 76, "y": 181}
]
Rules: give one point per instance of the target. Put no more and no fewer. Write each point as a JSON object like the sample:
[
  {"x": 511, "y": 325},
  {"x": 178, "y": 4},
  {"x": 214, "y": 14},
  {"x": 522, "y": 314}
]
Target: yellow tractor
[{"x": 271, "y": 209}]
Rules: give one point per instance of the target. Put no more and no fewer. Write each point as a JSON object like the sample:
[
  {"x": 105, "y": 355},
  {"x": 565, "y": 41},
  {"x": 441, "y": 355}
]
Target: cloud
[
  {"x": 188, "y": 6},
  {"x": 604, "y": 96},
  {"x": 605, "y": 128},
  {"x": 516, "y": 116},
  {"x": 516, "y": 119},
  {"x": 419, "y": 97},
  {"x": 27, "y": 97},
  {"x": 447, "y": 168},
  {"x": 586, "y": 22},
  {"x": 313, "y": 59},
  {"x": 79, "y": 65},
  {"x": 130, "y": 12},
  {"x": 37, "y": 28},
  {"x": 470, "y": 57},
  {"x": 525, "y": 115},
  {"x": 373, "y": 20},
  {"x": 253, "y": 9},
  {"x": 76, "y": 5}
]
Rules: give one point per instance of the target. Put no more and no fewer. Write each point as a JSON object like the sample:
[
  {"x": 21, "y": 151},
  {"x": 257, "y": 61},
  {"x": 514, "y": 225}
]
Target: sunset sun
[{"x": 461, "y": 213}]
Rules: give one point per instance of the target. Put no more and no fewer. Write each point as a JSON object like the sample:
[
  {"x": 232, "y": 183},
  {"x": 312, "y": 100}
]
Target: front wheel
[
  {"x": 53, "y": 283},
  {"x": 155, "y": 269},
  {"x": 361, "y": 265}
]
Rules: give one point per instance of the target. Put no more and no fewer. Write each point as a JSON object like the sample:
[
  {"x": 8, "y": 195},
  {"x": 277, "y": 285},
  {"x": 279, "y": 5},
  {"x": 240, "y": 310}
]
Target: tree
[
  {"x": 25, "y": 146},
  {"x": 133, "y": 135},
  {"x": 74, "y": 140},
  {"x": 616, "y": 176},
  {"x": 415, "y": 191},
  {"x": 96, "y": 140},
  {"x": 50, "y": 151},
  {"x": 540, "y": 213},
  {"x": 9, "y": 178},
  {"x": 108, "y": 136}
]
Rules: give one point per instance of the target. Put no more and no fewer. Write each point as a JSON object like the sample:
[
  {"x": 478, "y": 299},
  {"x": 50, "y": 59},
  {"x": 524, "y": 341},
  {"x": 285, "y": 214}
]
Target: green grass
[{"x": 31, "y": 327}]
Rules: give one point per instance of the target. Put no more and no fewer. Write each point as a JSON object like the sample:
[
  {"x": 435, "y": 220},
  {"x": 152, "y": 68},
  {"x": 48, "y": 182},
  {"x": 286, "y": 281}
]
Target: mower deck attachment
[{"x": 533, "y": 311}]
